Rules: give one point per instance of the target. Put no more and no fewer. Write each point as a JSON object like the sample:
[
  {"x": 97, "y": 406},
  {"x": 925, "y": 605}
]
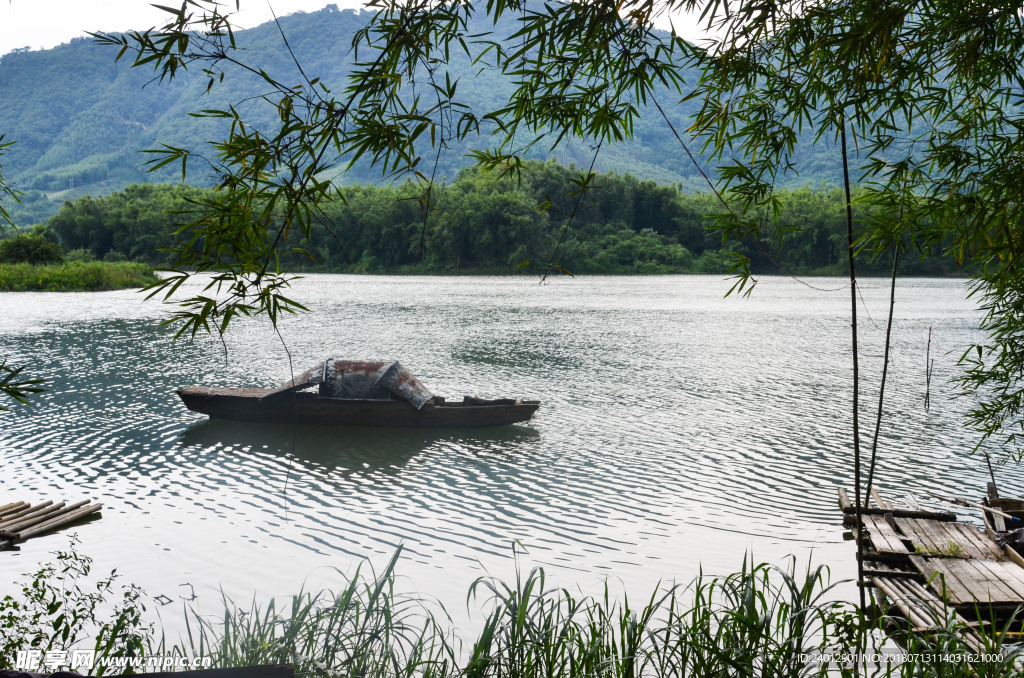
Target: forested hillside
[
  {"x": 484, "y": 223},
  {"x": 80, "y": 120}
]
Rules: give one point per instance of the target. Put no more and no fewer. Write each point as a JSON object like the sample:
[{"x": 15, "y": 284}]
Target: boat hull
[{"x": 247, "y": 404}]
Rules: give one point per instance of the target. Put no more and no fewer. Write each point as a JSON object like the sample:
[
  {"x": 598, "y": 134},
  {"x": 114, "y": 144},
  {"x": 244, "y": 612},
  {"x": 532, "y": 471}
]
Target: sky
[{"x": 41, "y": 24}]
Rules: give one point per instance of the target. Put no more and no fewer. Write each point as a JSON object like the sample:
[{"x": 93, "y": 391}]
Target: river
[{"x": 679, "y": 430}]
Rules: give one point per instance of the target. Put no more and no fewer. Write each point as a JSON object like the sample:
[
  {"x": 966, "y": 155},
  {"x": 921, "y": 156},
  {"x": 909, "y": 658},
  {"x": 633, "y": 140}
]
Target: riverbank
[{"x": 75, "y": 276}]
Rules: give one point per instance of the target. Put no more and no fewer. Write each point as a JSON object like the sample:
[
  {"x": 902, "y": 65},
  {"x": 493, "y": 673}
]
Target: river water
[{"x": 679, "y": 431}]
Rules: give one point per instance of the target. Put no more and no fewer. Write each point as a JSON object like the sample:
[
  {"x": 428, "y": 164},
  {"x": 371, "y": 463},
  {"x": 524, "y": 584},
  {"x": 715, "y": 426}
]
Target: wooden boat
[
  {"x": 354, "y": 393},
  {"x": 996, "y": 524},
  {"x": 1007, "y": 531}
]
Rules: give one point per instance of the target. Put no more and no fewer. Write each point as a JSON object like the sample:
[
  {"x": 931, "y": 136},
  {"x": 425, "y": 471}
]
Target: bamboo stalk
[
  {"x": 25, "y": 512},
  {"x": 885, "y": 368},
  {"x": 893, "y": 574},
  {"x": 58, "y": 522},
  {"x": 9, "y": 530},
  {"x": 918, "y": 607},
  {"x": 27, "y": 508},
  {"x": 6, "y": 545},
  {"x": 856, "y": 364},
  {"x": 12, "y": 507},
  {"x": 905, "y": 601},
  {"x": 31, "y": 515}
]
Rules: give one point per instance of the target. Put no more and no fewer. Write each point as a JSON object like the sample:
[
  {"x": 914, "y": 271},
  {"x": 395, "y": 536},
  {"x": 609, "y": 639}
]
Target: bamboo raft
[
  {"x": 20, "y": 520},
  {"x": 933, "y": 570}
]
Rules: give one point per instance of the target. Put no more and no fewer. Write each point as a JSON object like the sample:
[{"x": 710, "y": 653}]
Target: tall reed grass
[
  {"x": 365, "y": 630},
  {"x": 75, "y": 276},
  {"x": 763, "y": 622},
  {"x": 760, "y": 622}
]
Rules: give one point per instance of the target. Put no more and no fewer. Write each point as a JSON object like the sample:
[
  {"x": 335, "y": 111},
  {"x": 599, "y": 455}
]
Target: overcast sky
[{"x": 41, "y": 24}]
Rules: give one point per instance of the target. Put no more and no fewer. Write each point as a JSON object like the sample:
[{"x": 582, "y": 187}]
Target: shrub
[
  {"x": 81, "y": 254},
  {"x": 30, "y": 249},
  {"x": 62, "y": 609}
]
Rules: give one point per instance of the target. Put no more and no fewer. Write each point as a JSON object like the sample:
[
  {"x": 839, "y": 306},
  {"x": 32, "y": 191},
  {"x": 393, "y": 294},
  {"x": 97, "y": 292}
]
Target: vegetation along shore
[
  {"x": 487, "y": 223},
  {"x": 759, "y": 621},
  {"x": 34, "y": 263}
]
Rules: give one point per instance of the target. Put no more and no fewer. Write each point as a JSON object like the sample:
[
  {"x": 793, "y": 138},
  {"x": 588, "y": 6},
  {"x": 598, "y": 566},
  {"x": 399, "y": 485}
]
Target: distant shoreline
[
  {"x": 591, "y": 274},
  {"x": 75, "y": 276}
]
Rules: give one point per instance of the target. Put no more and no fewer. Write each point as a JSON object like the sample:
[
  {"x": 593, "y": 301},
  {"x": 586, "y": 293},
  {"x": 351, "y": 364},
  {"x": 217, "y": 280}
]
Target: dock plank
[
  {"x": 883, "y": 538},
  {"x": 1009, "y": 575},
  {"x": 934, "y": 537},
  {"x": 983, "y": 544},
  {"x": 946, "y": 583},
  {"x": 954, "y": 542},
  {"x": 1013, "y": 568},
  {"x": 984, "y": 580},
  {"x": 971, "y": 581},
  {"x": 923, "y": 539}
]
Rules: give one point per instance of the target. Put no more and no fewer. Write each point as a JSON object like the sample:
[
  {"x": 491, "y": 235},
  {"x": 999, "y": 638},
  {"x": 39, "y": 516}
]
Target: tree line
[
  {"x": 83, "y": 133},
  {"x": 487, "y": 223}
]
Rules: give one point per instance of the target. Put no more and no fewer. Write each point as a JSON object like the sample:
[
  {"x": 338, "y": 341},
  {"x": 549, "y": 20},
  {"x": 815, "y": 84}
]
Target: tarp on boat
[{"x": 360, "y": 380}]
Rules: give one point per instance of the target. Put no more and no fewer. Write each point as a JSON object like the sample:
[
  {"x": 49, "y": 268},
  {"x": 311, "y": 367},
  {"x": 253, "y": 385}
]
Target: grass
[
  {"x": 948, "y": 550},
  {"x": 762, "y": 621},
  {"x": 75, "y": 276},
  {"x": 364, "y": 630}
]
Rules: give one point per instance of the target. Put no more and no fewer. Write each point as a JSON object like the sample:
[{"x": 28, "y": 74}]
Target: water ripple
[{"x": 678, "y": 427}]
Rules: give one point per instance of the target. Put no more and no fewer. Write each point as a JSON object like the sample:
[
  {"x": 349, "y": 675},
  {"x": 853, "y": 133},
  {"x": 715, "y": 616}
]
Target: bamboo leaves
[
  {"x": 15, "y": 386},
  {"x": 6, "y": 191}
]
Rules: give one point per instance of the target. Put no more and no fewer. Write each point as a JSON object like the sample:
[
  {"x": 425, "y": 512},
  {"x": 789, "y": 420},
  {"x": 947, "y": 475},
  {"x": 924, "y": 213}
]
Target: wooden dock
[
  {"x": 933, "y": 570},
  {"x": 20, "y": 520}
]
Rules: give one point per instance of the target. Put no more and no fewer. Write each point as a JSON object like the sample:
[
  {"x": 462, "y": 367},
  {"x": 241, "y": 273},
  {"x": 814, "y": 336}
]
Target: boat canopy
[{"x": 360, "y": 380}]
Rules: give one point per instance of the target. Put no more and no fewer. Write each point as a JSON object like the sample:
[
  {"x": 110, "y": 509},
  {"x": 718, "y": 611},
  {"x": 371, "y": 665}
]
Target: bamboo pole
[
  {"x": 904, "y": 600},
  {"x": 27, "y": 508},
  {"x": 942, "y": 516},
  {"x": 963, "y": 502},
  {"x": 856, "y": 363},
  {"x": 8, "y": 530},
  {"x": 26, "y": 511},
  {"x": 9, "y": 522},
  {"x": 12, "y": 507},
  {"x": 61, "y": 521},
  {"x": 885, "y": 371}
]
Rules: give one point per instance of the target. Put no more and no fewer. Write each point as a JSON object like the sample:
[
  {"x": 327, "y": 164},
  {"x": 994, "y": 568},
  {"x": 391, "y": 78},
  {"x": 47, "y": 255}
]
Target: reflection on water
[
  {"x": 343, "y": 448},
  {"x": 677, "y": 429}
]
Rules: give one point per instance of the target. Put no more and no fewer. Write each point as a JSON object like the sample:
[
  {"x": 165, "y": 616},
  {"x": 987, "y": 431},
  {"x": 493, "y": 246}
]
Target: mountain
[{"x": 80, "y": 120}]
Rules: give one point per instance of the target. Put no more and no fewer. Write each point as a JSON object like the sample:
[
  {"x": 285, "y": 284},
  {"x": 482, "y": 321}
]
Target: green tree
[{"x": 30, "y": 249}]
